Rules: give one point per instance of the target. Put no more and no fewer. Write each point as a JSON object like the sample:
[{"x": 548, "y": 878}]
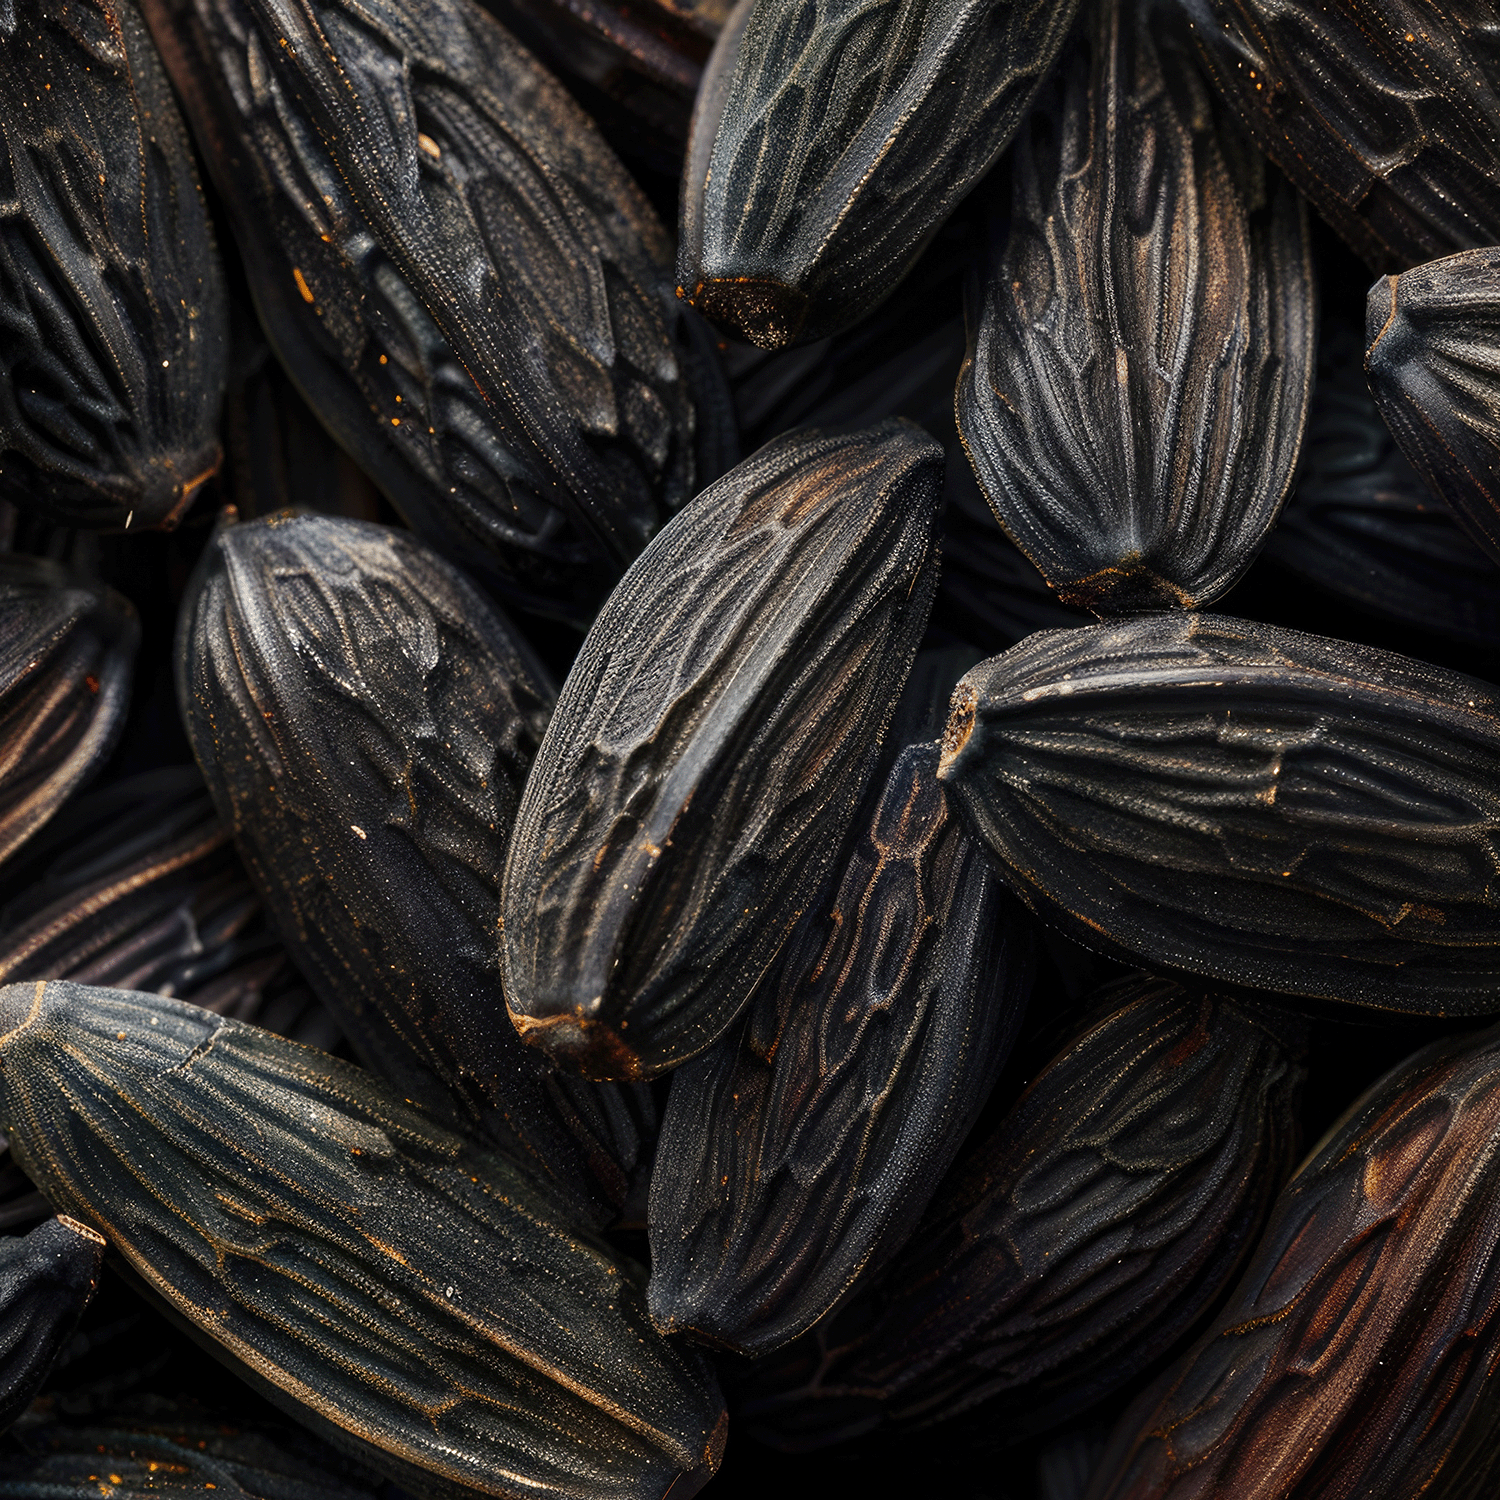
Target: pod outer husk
[
  {"x": 1385, "y": 115},
  {"x": 365, "y": 722},
  {"x": 1357, "y": 1355},
  {"x": 1136, "y": 387},
  {"x": 407, "y": 1294},
  {"x": 1076, "y": 1244},
  {"x": 797, "y": 1155},
  {"x": 1434, "y": 367},
  {"x": 111, "y": 292},
  {"x": 710, "y": 747},
  {"x": 1257, "y": 805},
  {"x": 830, "y": 143}
]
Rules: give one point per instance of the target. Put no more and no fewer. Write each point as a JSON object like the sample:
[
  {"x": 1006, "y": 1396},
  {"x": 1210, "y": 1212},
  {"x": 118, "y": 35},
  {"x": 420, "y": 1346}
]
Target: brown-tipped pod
[
  {"x": 408, "y": 1295},
  {"x": 710, "y": 746},
  {"x": 1136, "y": 386},
  {"x": 111, "y": 292},
  {"x": 1253, "y": 804}
]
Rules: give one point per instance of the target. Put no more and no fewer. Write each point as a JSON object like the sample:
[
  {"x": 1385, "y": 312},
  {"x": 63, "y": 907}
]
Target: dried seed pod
[
  {"x": 1434, "y": 366},
  {"x": 1357, "y": 1355},
  {"x": 710, "y": 745},
  {"x": 1384, "y": 114},
  {"x": 111, "y": 292},
  {"x": 470, "y": 290},
  {"x": 1135, "y": 393},
  {"x": 1086, "y": 1235},
  {"x": 66, "y": 647},
  {"x": 828, "y": 146},
  {"x": 365, "y": 722},
  {"x": 404, "y": 1293},
  {"x": 797, "y": 1155},
  {"x": 1233, "y": 799}
]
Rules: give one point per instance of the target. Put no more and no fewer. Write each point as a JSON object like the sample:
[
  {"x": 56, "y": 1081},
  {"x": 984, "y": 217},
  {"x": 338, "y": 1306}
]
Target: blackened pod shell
[
  {"x": 1250, "y": 803},
  {"x": 1356, "y": 1357},
  {"x": 1135, "y": 392},
  {"x": 111, "y": 291},
  {"x": 365, "y": 722},
  {"x": 403, "y": 1292},
  {"x": 797, "y": 1154},
  {"x": 710, "y": 746},
  {"x": 830, "y": 143}
]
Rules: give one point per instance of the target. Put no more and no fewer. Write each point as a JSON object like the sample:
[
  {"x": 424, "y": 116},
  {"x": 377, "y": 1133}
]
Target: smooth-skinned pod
[
  {"x": 1252, "y": 804},
  {"x": 710, "y": 746},
  {"x": 469, "y": 288},
  {"x": 830, "y": 143},
  {"x": 365, "y": 721},
  {"x": 111, "y": 293},
  {"x": 404, "y": 1292},
  {"x": 1135, "y": 391}
]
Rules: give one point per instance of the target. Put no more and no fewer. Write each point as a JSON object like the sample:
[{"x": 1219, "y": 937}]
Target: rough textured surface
[
  {"x": 797, "y": 1155},
  {"x": 406, "y": 1294},
  {"x": 1135, "y": 391},
  {"x": 1246, "y": 802},
  {"x": 830, "y": 141},
  {"x": 710, "y": 745},
  {"x": 113, "y": 323}
]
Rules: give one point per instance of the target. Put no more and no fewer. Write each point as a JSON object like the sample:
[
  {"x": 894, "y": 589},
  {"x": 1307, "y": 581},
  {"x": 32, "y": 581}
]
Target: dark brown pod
[
  {"x": 406, "y": 1294},
  {"x": 797, "y": 1155},
  {"x": 365, "y": 722},
  {"x": 111, "y": 293},
  {"x": 710, "y": 746},
  {"x": 1357, "y": 1356},
  {"x": 1385, "y": 114},
  {"x": 1253, "y": 804},
  {"x": 1434, "y": 366},
  {"x": 1083, "y": 1238},
  {"x": 1135, "y": 392}
]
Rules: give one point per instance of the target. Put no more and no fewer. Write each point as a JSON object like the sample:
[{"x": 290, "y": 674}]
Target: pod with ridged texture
[
  {"x": 710, "y": 747},
  {"x": 1254, "y": 804},
  {"x": 796, "y": 1155},
  {"x": 1136, "y": 387},
  {"x": 831, "y": 142},
  {"x": 365, "y": 722},
  {"x": 1357, "y": 1356},
  {"x": 471, "y": 291},
  {"x": 1434, "y": 366},
  {"x": 407, "y": 1294},
  {"x": 111, "y": 293}
]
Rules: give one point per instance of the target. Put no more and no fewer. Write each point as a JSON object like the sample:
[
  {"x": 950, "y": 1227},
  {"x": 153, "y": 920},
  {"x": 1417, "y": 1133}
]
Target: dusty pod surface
[
  {"x": 830, "y": 142},
  {"x": 1253, "y": 804},
  {"x": 710, "y": 746},
  {"x": 111, "y": 292},
  {"x": 406, "y": 1294},
  {"x": 1136, "y": 386}
]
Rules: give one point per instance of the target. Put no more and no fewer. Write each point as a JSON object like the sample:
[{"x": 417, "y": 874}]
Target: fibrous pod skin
[
  {"x": 1385, "y": 114},
  {"x": 1356, "y": 1357},
  {"x": 470, "y": 290},
  {"x": 710, "y": 746},
  {"x": 830, "y": 143},
  {"x": 407, "y": 1294},
  {"x": 1135, "y": 390},
  {"x": 797, "y": 1155},
  {"x": 1434, "y": 367},
  {"x": 66, "y": 648},
  {"x": 1086, "y": 1235},
  {"x": 365, "y": 722},
  {"x": 111, "y": 293}
]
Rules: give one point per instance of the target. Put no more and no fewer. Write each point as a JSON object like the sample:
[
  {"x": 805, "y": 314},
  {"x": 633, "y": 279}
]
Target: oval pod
[
  {"x": 111, "y": 291},
  {"x": 710, "y": 745},
  {"x": 404, "y": 1293},
  {"x": 1136, "y": 387}
]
